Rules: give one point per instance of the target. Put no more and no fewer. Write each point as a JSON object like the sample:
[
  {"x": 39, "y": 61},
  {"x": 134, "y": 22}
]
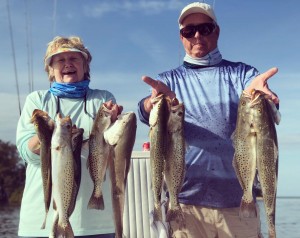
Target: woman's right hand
[{"x": 34, "y": 144}]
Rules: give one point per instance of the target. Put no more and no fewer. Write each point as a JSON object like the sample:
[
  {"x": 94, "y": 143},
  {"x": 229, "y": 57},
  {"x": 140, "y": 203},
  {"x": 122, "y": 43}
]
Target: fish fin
[
  {"x": 54, "y": 205},
  {"x": 247, "y": 210},
  {"x": 232, "y": 137},
  {"x": 44, "y": 223},
  {"x": 274, "y": 111},
  {"x": 64, "y": 231},
  {"x": 96, "y": 202},
  {"x": 157, "y": 212}
]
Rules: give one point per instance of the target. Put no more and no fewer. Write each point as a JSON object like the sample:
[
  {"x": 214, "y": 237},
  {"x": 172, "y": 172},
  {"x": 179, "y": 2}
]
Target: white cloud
[{"x": 143, "y": 6}]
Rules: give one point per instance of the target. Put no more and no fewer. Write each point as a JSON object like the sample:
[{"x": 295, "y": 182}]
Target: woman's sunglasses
[{"x": 204, "y": 29}]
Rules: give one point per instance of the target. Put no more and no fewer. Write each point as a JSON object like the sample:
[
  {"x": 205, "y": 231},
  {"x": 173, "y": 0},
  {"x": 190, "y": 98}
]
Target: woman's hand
[
  {"x": 34, "y": 144},
  {"x": 115, "y": 110}
]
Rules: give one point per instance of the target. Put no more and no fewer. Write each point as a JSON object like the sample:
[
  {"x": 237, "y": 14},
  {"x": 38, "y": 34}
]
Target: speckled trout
[
  {"x": 77, "y": 140},
  {"x": 256, "y": 148},
  {"x": 63, "y": 182},
  {"x": 99, "y": 153},
  {"x": 267, "y": 152},
  {"x": 175, "y": 160},
  {"x": 121, "y": 137},
  {"x": 158, "y": 133},
  {"x": 44, "y": 126}
]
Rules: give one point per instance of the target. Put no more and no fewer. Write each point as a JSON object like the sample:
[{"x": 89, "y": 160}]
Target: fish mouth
[
  {"x": 254, "y": 96},
  {"x": 157, "y": 98}
]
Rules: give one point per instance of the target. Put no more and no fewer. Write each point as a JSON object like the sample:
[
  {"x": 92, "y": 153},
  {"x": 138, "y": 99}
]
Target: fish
[
  {"x": 121, "y": 138},
  {"x": 267, "y": 153},
  {"x": 174, "y": 170},
  {"x": 244, "y": 160},
  {"x": 77, "y": 140},
  {"x": 44, "y": 126},
  {"x": 99, "y": 154},
  {"x": 63, "y": 177},
  {"x": 157, "y": 133},
  {"x": 256, "y": 149}
]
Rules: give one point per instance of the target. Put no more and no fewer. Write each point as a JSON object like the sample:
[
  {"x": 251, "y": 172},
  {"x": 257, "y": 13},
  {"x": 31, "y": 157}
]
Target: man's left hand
[{"x": 260, "y": 83}]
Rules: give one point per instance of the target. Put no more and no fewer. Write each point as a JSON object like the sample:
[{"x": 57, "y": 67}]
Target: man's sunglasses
[{"x": 204, "y": 29}]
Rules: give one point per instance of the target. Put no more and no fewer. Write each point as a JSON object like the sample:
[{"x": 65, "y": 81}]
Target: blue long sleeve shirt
[{"x": 211, "y": 96}]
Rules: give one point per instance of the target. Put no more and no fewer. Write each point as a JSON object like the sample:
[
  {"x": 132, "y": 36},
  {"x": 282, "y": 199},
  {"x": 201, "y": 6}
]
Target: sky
[{"x": 132, "y": 38}]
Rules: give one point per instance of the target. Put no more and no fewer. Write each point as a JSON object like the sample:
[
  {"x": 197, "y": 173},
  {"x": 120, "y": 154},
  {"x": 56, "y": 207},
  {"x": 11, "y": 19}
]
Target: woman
[{"x": 67, "y": 65}]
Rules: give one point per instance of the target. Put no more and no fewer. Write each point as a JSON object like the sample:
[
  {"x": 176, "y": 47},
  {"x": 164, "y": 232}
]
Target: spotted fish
[
  {"x": 256, "y": 149},
  {"x": 44, "y": 126},
  {"x": 175, "y": 160},
  {"x": 99, "y": 153},
  {"x": 158, "y": 132},
  {"x": 244, "y": 161},
  {"x": 77, "y": 140},
  {"x": 267, "y": 153},
  {"x": 63, "y": 177},
  {"x": 121, "y": 137}
]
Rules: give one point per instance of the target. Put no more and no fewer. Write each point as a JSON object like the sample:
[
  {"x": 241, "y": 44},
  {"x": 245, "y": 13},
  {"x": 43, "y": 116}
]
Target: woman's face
[{"x": 67, "y": 67}]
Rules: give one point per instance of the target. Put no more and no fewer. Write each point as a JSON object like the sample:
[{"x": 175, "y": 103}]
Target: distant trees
[{"x": 12, "y": 174}]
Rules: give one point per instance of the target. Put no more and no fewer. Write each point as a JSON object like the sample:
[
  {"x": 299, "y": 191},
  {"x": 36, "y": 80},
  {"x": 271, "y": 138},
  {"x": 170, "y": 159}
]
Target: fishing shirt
[
  {"x": 84, "y": 221},
  {"x": 210, "y": 96}
]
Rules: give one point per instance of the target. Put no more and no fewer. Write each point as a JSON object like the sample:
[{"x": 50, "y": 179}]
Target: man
[{"x": 210, "y": 87}]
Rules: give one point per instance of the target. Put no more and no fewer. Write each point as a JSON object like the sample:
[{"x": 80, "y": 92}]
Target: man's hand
[
  {"x": 260, "y": 83},
  {"x": 157, "y": 87}
]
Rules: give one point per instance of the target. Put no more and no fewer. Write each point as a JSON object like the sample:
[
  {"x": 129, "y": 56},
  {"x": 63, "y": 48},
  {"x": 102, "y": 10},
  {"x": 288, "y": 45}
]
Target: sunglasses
[{"x": 204, "y": 29}]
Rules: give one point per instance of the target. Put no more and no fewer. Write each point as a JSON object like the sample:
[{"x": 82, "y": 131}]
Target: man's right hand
[{"x": 157, "y": 87}]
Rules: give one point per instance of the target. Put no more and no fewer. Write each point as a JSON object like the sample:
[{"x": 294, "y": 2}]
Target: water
[
  {"x": 287, "y": 219},
  {"x": 9, "y": 219}
]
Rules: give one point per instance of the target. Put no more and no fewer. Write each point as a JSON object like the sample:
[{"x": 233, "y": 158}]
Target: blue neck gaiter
[{"x": 70, "y": 90}]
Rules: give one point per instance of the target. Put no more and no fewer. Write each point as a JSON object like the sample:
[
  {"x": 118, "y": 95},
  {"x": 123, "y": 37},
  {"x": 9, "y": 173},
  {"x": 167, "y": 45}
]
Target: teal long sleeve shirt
[{"x": 84, "y": 221}]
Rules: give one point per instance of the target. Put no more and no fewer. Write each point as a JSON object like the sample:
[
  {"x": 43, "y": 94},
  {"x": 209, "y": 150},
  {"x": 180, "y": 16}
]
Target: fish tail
[
  {"x": 247, "y": 209},
  {"x": 64, "y": 231},
  {"x": 271, "y": 228},
  {"x": 272, "y": 233},
  {"x": 96, "y": 202},
  {"x": 175, "y": 214}
]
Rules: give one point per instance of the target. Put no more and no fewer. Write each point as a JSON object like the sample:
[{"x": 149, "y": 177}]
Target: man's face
[
  {"x": 67, "y": 67},
  {"x": 199, "y": 45}
]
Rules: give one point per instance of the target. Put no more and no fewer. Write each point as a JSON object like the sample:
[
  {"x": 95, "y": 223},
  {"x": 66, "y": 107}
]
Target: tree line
[{"x": 12, "y": 174}]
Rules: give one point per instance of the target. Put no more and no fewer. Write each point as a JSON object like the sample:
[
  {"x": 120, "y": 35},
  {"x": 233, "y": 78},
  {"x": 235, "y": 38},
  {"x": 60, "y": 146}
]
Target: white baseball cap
[{"x": 196, "y": 7}]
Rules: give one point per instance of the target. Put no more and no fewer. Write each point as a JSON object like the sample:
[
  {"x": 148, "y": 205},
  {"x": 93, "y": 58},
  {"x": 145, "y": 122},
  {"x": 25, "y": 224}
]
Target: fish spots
[
  {"x": 256, "y": 151},
  {"x": 167, "y": 154}
]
